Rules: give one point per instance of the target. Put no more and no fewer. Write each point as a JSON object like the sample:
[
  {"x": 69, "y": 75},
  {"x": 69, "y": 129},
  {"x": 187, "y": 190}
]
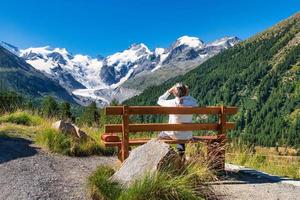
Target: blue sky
[{"x": 105, "y": 26}]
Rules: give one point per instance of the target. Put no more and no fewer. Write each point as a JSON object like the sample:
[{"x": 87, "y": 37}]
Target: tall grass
[
  {"x": 288, "y": 166},
  {"x": 26, "y": 124},
  {"x": 57, "y": 142},
  {"x": 22, "y": 118},
  {"x": 100, "y": 185},
  {"x": 188, "y": 182},
  {"x": 162, "y": 185}
]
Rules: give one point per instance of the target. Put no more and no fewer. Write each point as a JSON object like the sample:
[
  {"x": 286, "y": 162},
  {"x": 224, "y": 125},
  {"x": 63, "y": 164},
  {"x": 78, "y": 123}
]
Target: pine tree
[
  {"x": 91, "y": 115},
  {"x": 50, "y": 107},
  {"x": 65, "y": 111}
]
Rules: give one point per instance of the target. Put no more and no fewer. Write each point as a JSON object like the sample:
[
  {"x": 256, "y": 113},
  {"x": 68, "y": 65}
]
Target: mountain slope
[
  {"x": 17, "y": 75},
  {"x": 260, "y": 75}
]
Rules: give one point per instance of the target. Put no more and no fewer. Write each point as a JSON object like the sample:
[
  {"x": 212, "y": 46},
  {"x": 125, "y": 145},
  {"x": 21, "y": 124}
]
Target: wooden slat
[
  {"x": 138, "y": 110},
  {"x": 230, "y": 125},
  {"x": 117, "y": 128},
  {"x": 113, "y": 128},
  {"x": 114, "y": 110},
  {"x": 172, "y": 127},
  {"x": 231, "y": 110},
  {"x": 139, "y": 141}
]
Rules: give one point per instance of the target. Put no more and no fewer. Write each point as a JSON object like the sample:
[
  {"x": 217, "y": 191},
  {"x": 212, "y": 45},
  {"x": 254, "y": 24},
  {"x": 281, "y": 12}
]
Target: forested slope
[{"x": 260, "y": 75}]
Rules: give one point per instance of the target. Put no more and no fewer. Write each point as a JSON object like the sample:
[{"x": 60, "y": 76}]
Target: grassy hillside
[{"x": 260, "y": 75}]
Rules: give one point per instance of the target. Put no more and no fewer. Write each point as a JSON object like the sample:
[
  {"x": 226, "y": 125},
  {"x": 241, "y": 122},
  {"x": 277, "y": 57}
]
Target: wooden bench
[{"x": 215, "y": 143}]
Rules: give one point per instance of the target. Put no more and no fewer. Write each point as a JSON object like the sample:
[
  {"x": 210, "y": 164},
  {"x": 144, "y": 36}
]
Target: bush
[{"x": 22, "y": 118}]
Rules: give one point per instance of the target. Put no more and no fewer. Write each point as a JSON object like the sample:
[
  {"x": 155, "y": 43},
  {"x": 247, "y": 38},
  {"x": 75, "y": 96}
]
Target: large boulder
[
  {"x": 148, "y": 158},
  {"x": 69, "y": 128}
]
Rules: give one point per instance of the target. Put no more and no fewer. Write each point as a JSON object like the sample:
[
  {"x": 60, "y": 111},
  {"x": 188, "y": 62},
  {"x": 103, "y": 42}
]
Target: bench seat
[{"x": 140, "y": 141}]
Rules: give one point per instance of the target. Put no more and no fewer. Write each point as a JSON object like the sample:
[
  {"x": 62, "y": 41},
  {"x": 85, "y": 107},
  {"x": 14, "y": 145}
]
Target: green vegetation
[
  {"x": 100, "y": 185},
  {"x": 26, "y": 124},
  {"x": 23, "y": 118},
  {"x": 162, "y": 185},
  {"x": 10, "y": 101},
  {"x": 266, "y": 162},
  {"x": 65, "y": 144},
  {"x": 259, "y": 76},
  {"x": 91, "y": 115},
  {"x": 49, "y": 107},
  {"x": 186, "y": 183}
]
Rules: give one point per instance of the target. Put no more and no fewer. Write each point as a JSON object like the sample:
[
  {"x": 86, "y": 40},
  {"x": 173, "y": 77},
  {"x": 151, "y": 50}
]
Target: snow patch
[
  {"x": 130, "y": 55},
  {"x": 193, "y": 42}
]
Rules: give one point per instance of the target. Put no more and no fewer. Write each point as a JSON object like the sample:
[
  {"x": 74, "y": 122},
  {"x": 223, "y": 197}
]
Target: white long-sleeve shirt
[{"x": 174, "y": 119}]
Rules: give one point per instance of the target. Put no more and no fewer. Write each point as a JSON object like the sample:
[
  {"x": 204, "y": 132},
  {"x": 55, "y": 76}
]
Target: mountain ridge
[{"x": 88, "y": 77}]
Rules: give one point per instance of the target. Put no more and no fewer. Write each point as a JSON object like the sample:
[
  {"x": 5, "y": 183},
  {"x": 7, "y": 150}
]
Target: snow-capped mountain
[
  {"x": 118, "y": 67},
  {"x": 72, "y": 72},
  {"x": 123, "y": 74}
]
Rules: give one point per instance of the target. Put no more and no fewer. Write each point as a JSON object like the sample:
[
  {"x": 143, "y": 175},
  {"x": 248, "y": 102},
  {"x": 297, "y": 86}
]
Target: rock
[
  {"x": 69, "y": 128},
  {"x": 148, "y": 158}
]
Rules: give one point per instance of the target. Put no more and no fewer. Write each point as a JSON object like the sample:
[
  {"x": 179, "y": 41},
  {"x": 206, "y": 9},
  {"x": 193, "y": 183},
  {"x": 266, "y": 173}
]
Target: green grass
[
  {"x": 21, "y": 117},
  {"x": 162, "y": 185},
  {"x": 65, "y": 144},
  {"x": 187, "y": 183},
  {"x": 15, "y": 130},
  {"x": 100, "y": 185},
  {"x": 38, "y": 129},
  {"x": 288, "y": 166}
]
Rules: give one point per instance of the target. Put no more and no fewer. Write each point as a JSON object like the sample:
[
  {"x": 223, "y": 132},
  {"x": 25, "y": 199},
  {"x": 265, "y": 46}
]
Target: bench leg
[
  {"x": 216, "y": 153},
  {"x": 120, "y": 155}
]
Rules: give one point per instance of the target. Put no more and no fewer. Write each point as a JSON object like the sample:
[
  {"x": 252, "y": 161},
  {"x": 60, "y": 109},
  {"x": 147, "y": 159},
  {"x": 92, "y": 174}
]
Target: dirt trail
[{"x": 27, "y": 172}]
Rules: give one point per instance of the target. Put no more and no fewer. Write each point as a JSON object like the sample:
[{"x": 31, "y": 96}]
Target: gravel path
[
  {"x": 244, "y": 185},
  {"x": 27, "y": 172}
]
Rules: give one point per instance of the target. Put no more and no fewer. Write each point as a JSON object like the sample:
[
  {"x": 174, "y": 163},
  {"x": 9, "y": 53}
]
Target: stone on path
[{"x": 69, "y": 128}]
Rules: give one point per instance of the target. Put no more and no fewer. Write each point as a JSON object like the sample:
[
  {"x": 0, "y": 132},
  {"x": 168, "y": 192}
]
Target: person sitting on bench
[{"x": 182, "y": 98}]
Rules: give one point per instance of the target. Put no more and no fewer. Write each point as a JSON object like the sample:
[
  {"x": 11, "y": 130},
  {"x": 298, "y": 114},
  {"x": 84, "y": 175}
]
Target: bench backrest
[{"x": 126, "y": 127}]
